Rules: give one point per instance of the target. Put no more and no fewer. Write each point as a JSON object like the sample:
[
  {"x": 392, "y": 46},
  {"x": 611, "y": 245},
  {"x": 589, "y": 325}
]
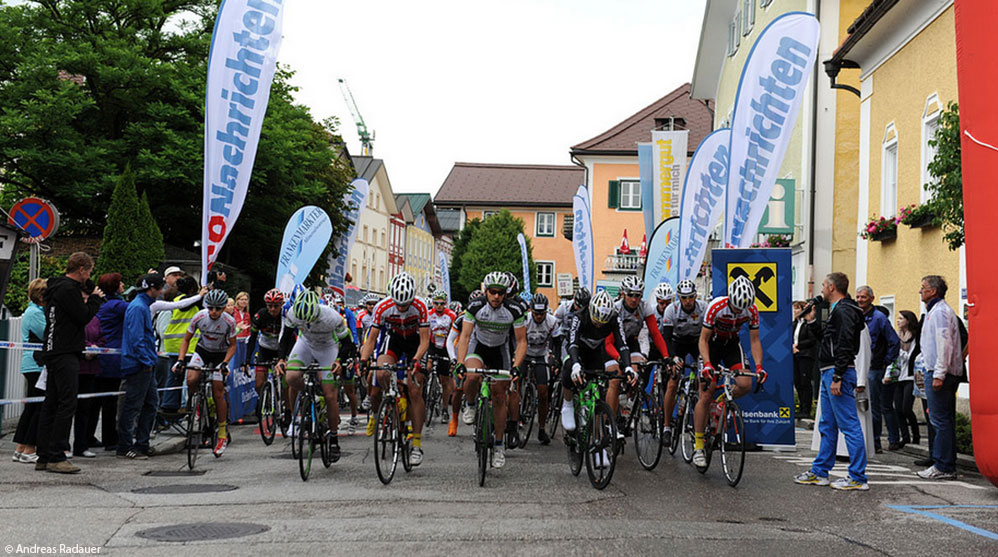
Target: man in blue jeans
[
  {"x": 138, "y": 363},
  {"x": 885, "y": 346},
  {"x": 840, "y": 343},
  {"x": 943, "y": 354}
]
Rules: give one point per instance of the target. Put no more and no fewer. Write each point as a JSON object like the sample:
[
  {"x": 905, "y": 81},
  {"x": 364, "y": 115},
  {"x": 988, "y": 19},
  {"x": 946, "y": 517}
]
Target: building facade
[
  {"x": 539, "y": 195},
  {"x": 420, "y": 245},
  {"x": 368, "y": 261}
]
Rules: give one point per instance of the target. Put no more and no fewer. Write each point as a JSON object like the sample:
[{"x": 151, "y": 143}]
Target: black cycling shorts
[
  {"x": 541, "y": 371},
  {"x": 727, "y": 353},
  {"x": 264, "y": 356},
  {"x": 442, "y": 367},
  {"x": 398, "y": 346},
  {"x": 492, "y": 357},
  {"x": 591, "y": 359}
]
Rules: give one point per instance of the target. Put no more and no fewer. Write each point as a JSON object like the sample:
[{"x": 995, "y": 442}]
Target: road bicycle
[
  {"x": 646, "y": 419},
  {"x": 528, "y": 404},
  {"x": 595, "y": 437},
  {"x": 310, "y": 426},
  {"x": 726, "y": 428},
  {"x": 433, "y": 393},
  {"x": 554, "y": 401},
  {"x": 687, "y": 394},
  {"x": 202, "y": 424},
  {"x": 485, "y": 419},
  {"x": 392, "y": 438},
  {"x": 271, "y": 408}
]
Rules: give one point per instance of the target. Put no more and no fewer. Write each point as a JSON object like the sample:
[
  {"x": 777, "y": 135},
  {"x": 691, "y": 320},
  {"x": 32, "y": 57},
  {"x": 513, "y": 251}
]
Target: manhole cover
[
  {"x": 174, "y": 473},
  {"x": 202, "y": 531},
  {"x": 185, "y": 489}
]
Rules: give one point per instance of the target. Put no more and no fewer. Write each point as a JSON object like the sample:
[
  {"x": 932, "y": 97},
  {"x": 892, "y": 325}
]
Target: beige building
[{"x": 368, "y": 261}]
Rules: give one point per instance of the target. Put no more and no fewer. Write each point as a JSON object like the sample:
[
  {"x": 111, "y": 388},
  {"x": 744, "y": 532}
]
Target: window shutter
[{"x": 614, "y": 201}]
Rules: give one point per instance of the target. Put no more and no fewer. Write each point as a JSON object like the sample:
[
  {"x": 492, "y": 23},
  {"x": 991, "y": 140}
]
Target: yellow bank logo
[
  {"x": 763, "y": 276},
  {"x": 785, "y": 412}
]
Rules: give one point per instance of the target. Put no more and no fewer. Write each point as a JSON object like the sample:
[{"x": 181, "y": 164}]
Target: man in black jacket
[
  {"x": 807, "y": 333},
  {"x": 840, "y": 342},
  {"x": 71, "y": 302}
]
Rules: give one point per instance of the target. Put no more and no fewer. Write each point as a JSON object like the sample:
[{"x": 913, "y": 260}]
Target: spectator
[
  {"x": 71, "y": 301},
  {"x": 230, "y": 307},
  {"x": 138, "y": 360},
  {"x": 112, "y": 318},
  {"x": 807, "y": 333},
  {"x": 884, "y": 344},
  {"x": 901, "y": 373},
  {"x": 171, "y": 275},
  {"x": 32, "y": 330},
  {"x": 840, "y": 343},
  {"x": 943, "y": 354},
  {"x": 242, "y": 315},
  {"x": 89, "y": 367},
  {"x": 172, "y": 333}
]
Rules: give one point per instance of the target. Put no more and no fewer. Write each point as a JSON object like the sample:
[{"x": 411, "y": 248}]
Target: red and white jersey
[
  {"x": 403, "y": 323},
  {"x": 440, "y": 324},
  {"x": 725, "y": 321}
]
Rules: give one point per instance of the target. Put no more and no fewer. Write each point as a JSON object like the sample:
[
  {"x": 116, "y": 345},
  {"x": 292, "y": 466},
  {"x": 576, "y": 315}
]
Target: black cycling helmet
[
  {"x": 582, "y": 297},
  {"x": 539, "y": 302}
]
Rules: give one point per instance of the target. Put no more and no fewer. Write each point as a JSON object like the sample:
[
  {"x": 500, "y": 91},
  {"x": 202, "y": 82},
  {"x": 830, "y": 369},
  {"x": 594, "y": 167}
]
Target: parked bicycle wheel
[
  {"x": 306, "y": 435},
  {"x": 528, "y": 412},
  {"x": 647, "y": 430},
  {"x": 601, "y": 458},
  {"x": 387, "y": 448},
  {"x": 268, "y": 413},
  {"x": 733, "y": 444}
]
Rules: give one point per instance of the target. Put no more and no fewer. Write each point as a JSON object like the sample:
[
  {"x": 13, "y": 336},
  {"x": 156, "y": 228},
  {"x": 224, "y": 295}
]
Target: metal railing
[
  {"x": 622, "y": 263},
  {"x": 14, "y": 383}
]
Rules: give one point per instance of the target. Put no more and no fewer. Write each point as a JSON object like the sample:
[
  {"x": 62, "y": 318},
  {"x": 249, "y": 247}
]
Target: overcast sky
[{"x": 511, "y": 81}]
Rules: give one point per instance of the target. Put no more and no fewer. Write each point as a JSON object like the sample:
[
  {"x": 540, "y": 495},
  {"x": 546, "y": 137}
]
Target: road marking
[
  {"x": 841, "y": 470},
  {"x": 921, "y": 510}
]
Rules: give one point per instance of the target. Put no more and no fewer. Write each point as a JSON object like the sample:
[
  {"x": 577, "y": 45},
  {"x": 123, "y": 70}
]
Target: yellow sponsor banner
[{"x": 763, "y": 276}]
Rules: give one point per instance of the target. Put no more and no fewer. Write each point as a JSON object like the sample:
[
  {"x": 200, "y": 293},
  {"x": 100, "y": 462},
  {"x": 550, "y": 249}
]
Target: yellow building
[
  {"x": 906, "y": 56},
  {"x": 540, "y": 195},
  {"x": 421, "y": 227}
]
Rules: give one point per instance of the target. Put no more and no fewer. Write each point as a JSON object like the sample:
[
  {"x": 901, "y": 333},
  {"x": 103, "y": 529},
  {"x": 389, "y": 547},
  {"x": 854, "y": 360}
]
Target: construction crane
[{"x": 366, "y": 139}]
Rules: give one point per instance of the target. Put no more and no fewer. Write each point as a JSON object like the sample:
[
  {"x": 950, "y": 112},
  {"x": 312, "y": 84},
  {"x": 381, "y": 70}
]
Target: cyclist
[
  {"x": 316, "y": 333},
  {"x": 348, "y": 377},
  {"x": 663, "y": 298},
  {"x": 441, "y": 320},
  {"x": 364, "y": 318},
  {"x": 719, "y": 343},
  {"x": 216, "y": 346},
  {"x": 513, "y": 401},
  {"x": 543, "y": 331},
  {"x": 588, "y": 348},
  {"x": 681, "y": 325},
  {"x": 579, "y": 301},
  {"x": 484, "y": 344},
  {"x": 452, "y": 340},
  {"x": 405, "y": 321},
  {"x": 456, "y": 307},
  {"x": 265, "y": 328},
  {"x": 637, "y": 314}
]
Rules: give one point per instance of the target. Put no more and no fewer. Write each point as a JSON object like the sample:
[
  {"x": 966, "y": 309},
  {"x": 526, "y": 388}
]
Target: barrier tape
[
  {"x": 4, "y": 402},
  {"x": 36, "y": 346}
]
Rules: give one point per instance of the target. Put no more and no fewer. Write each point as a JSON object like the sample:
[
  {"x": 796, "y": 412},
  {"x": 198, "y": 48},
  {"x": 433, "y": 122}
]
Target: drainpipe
[
  {"x": 578, "y": 163},
  {"x": 814, "y": 171}
]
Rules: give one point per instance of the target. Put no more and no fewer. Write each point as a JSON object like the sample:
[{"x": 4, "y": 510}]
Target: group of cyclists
[{"x": 498, "y": 329}]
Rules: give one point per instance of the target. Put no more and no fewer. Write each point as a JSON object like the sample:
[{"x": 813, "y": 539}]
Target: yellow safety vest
[{"x": 174, "y": 334}]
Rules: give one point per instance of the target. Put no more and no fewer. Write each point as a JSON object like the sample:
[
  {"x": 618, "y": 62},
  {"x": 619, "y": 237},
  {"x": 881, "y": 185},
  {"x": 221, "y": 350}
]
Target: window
[
  {"x": 764, "y": 3},
  {"x": 353, "y": 268},
  {"x": 738, "y": 28},
  {"x": 545, "y": 225},
  {"x": 748, "y": 16},
  {"x": 888, "y": 302},
  {"x": 365, "y": 233},
  {"x": 670, "y": 123},
  {"x": 889, "y": 173},
  {"x": 545, "y": 273},
  {"x": 732, "y": 32},
  {"x": 630, "y": 194},
  {"x": 383, "y": 243},
  {"x": 377, "y": 201},
  {"x": 930, "y": 123},
  {"x": 487, "y": 214}
]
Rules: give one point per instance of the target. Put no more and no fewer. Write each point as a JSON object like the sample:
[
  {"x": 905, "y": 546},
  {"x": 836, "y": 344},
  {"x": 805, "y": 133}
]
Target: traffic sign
[{"x": 37, "y": 217}]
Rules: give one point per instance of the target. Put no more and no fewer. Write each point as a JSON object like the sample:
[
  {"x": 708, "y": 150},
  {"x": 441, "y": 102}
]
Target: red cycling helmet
[{"x": 273, "y": 296}]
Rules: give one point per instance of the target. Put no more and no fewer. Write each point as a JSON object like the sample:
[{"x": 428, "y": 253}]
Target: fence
[{"x": 14, "y": 384}]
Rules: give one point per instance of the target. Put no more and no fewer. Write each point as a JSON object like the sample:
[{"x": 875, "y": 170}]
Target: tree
[
  {"x": 87, "y": 86},
  {"x": 152, "y": 238},
  {"x": 458, "y": 292},
  {"x": 16, "y": 298},
  {"x": 947, "y": 176},
  {"x": 493, "y": 247},
  {"x": 125, "y": 248}
]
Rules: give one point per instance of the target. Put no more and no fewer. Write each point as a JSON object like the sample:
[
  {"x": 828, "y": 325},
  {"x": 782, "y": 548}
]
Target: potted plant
[
  {"x": 919, "y": 216},
  {"x": 880, "y": 229},
  {"x": 773, "y": 241}
]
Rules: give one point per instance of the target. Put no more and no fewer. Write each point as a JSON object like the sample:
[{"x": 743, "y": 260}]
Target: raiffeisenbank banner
[
  {"x": 766, "y": 107},
  {"x": 241, "y": 66},
  {"x": 582, "y": 238},
  {"x": 353, "y": 202},
  {"x": 703, "y": 200},
  {"x": 668, "y": 150}
]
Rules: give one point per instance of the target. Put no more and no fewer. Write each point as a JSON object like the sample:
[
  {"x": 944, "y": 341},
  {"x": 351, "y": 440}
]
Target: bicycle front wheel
[
  {"x": 295, "y": 426},
  {"x": 733, "y": 444},
  {"x": 528, "y": 411},
  {"x": 601, "y": 458},
  {"x": 268, "y": 411},
  {"x": 686, "y": 431},
  {"x": 196, "y": 410},
  {"x": 576, "y": 442},
  {"x": 484, "y": 425},
  {"x": 647, "y": 430},
  {"x": 305, "y": 434},
  {"x": 433, "y": 397},
  {"x": 386, "y": 443}
]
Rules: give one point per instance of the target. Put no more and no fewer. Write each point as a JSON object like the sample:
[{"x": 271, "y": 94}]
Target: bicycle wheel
[
  {"x": 386, "y": 444},
  {"x": 295, "y": 426},
  {"x": 733, "y": 444},
  {"x": 268, "y": 411},
  {"x": 647, "y": 430},
  {"x": 195, "y": 410},
  {"x": 325, "y": 446},
  {"x": 686, "y": 432},
  {"x": 601, "y": 458},
  {"x": 675, "y": 421},
  {"x": 405, "y": 443},
  {"x": 528, "y": 412},
  {"x": 484, "y": 425},
  {"x": 432, "y": 397},
  {"x": 306, "y": 435},
  {"x": 576, "y": 444},
  {"x": 554, "y": 410}
]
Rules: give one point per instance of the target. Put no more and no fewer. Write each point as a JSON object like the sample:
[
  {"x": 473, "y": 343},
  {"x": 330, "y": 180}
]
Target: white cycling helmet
[
  {"x": 632, "y": 285},
  {"x": 741, "y": 293},
  {"x": 601, "y": 307},
  {"x": 686, "y": 288},
  {"x": 663, "y": 291},
  {"x": 403, "y": 289},
  {"x": 497, "y": 280}
]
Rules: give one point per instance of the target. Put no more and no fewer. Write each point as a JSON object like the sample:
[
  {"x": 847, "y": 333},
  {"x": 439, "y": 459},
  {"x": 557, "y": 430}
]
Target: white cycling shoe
[
  {"x": 499, "y": 457},
  {"x": 468, "y": 415},
  {"x": 568, "y": 416}
]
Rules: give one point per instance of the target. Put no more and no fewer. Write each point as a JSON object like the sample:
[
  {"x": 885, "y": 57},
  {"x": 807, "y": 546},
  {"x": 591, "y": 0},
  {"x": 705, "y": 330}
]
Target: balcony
[{"x": 628, "y": 264}]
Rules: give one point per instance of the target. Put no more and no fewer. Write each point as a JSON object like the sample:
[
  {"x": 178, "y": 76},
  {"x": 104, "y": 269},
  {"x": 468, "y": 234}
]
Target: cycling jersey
[
  {"x": 328, "y": 329},
  {"x": 267, "y": 329},
  {"x": 364, "y": 320},
  {"x": 455, "y": 333},
  {"x": 351, "y": 320},
  {"x": 406, "y": 323},
  {"x": 633, "y": 321},
  {"x": 725, "y": 322},
  {"x": 684, "y": 326},
  {"x": 216, "y": 334},
  {"x": 493, "y": 325},
  {"x": 540, "y": 334},
  {"x": 440, "y": 325},
  {"x": 583, "y": 334}
]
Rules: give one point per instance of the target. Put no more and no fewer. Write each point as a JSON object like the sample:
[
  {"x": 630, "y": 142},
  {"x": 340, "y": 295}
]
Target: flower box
[
  {"x": 922, "y": 221},
  {"x": 885, "y": 235}
]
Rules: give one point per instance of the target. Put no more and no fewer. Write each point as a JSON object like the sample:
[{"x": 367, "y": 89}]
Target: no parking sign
[{"x": 35, "y": 216}]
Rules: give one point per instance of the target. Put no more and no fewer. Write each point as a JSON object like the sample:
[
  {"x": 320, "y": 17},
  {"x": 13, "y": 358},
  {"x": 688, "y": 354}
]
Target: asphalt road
[{"x": 532, "y": 506}]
